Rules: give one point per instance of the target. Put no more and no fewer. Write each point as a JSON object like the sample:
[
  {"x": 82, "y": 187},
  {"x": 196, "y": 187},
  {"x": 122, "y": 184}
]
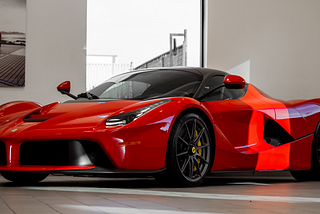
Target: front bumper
[{"x": 28, "y": 150}]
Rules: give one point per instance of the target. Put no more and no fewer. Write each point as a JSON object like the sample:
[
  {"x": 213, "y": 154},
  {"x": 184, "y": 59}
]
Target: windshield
[{"x": 149, "y": 84}]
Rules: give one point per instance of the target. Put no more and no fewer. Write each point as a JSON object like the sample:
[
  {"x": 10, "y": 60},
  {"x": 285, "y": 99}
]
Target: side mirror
[
  {"x": 64, "y": 88},
  {"x": 234, "y": 82}
]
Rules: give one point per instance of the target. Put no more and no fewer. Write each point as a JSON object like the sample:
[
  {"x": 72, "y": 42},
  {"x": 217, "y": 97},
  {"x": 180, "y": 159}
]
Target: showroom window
[{"x": 124, "y": 35}]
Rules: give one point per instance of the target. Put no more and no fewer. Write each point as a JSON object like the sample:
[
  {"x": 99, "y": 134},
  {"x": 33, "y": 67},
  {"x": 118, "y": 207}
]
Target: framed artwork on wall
[{"x": 13, "y": 42}]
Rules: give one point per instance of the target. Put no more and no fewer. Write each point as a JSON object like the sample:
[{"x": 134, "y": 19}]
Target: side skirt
[{"x": 115, "y": 173}]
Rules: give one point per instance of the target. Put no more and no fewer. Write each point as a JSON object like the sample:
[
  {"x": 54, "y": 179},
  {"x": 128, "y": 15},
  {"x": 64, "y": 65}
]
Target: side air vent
[
  {"x": 63, "y": 153},
  {"x": 3, "y": 156},
  {"x": 275, "y": 135}
]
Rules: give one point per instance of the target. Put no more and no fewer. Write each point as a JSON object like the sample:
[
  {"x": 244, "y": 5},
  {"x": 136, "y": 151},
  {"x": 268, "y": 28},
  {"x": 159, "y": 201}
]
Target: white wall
[
  {"x": 280, "y": 39},
  {"x": 56, "y": 37}
]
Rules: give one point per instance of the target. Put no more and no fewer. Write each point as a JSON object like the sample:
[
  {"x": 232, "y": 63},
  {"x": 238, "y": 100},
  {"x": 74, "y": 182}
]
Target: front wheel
[
  {"x": 314, "y": 173},
  {"x": 24, "y": 177},
  {"x": 189, "y": 153}
]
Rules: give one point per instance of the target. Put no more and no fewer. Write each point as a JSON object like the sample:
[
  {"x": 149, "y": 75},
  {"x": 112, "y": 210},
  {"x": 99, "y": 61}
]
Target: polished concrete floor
[{"x": 232, "y": 193}]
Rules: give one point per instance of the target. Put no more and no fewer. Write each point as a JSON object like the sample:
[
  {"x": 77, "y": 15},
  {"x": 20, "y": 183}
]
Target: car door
[{"x": 240, "y": 117}]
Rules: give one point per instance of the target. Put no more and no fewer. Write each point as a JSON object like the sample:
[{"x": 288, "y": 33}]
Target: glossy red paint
[
  {"x": 239, "y": 126},
  {"x": 17, "y": 107},
  {"x": 65, "y": 86},
  {"x": 234, "y": 82},
  {"x": 239, "y": 131},
  {"x": 152, "y": 132}
]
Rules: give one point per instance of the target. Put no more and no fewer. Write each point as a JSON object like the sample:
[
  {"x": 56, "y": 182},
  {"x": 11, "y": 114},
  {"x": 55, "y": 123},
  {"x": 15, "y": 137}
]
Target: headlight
[{"x": 123, "y": 119}]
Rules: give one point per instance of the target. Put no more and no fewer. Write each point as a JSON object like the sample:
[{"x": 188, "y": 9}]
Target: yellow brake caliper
[{"x": 199, "y": 151}]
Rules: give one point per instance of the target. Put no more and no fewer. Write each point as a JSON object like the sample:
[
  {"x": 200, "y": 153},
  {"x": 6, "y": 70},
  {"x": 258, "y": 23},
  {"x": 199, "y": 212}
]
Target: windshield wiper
[{"x": 87, "y": 95}]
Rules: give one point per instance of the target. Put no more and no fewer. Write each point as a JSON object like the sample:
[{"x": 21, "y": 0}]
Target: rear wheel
[
  {"x": 314, "y": 173},
  {"x": 189, "y": 153},
  {"x": 24, "y": 177}
]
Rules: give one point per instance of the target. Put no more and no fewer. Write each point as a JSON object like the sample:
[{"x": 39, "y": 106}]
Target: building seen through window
[{"x": 124, "y": 35}]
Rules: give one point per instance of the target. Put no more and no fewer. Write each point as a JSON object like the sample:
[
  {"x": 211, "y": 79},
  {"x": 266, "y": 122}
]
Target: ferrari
[{"x": 173, "y": 124}]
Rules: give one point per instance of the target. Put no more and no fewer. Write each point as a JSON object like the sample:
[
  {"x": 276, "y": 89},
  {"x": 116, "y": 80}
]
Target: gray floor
[{"x": 232, "y": 193}]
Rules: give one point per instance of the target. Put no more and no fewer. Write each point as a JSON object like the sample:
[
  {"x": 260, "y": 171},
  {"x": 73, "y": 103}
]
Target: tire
[
  {"x": 189, "y": 153},
  {"x": 24, "y": 177},
  {"x": 312, "y": 174}
]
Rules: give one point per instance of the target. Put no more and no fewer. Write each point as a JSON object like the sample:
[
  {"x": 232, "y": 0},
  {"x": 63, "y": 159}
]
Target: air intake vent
[
  {"x": 3, "y": 156},
  {"x": 35, "y": 120},
  {"x": 63, "y": 153},
  {"x": 44, "y": 153},
  {"x": 35, "y": 117},
  {"x": 275, "y": 135}
]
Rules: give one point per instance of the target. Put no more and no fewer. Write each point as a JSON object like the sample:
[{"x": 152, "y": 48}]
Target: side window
[{"x": 222, "y": 93}]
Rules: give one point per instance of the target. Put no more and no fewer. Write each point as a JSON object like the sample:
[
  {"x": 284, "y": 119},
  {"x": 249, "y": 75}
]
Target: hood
[
  {"x": 80, "y": 115},
  {"x": 62, "y": 112}
]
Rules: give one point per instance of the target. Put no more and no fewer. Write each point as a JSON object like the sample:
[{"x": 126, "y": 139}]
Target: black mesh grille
[
  {"x": 44, "y": 153},
  {"x": 3, "y": 156}
]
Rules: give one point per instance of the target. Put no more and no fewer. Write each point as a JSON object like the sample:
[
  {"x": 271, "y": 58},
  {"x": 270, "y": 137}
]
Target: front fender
[
  {"x": 192, "y": 103},
  {"x": 17, "y": 106}
]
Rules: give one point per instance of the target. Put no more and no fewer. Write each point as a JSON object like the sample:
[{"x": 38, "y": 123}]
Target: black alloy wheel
[
  {"x": 314, "y": 173},
  {"x": 189, "y": 153}
]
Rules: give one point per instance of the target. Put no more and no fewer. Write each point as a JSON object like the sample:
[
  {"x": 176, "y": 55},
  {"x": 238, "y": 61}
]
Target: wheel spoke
[
  {"x": 185, "y": 142},
  {"x": 197, "y": 167},
  {"x": 199, "y": 136},
  {"x": 188, "y": 130},
  {"x": 185, "y": 164},
  {"x": 182, "y": 153},
  {"x": 202, "y": 159},
  {"x": 194, "y": 129},
  {"x": 204, "y": 146},
  {"x": 191, "y": 165}
]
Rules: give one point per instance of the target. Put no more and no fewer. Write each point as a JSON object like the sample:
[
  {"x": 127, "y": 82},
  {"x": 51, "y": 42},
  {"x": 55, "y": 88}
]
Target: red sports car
[{"x": 175, "y": 124}]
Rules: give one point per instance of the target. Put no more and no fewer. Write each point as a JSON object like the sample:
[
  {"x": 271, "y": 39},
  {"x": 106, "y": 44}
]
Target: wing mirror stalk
[
  {"x": 230, "y": 82},
  {"x": 64, "y": 88}
]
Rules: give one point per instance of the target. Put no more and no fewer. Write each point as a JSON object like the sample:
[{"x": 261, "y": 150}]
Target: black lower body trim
[{"x": 116, "y": 173}]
